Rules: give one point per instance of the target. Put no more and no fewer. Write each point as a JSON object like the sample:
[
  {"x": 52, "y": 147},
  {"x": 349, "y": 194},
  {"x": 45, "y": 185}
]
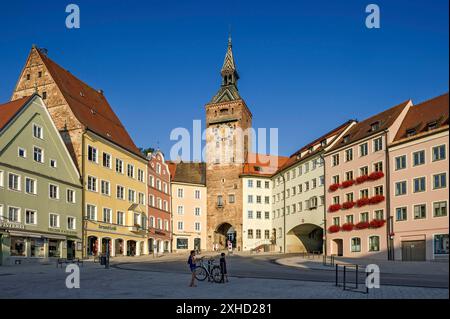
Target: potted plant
[
  {"x": 376, "y": 175},
  {"x": 376, "y": 199},
  {"x": 347, "y": 183},
  {"x": 362, "y": 179},
  {"x": 348, "y": 226},
  {"x": 334, "y": 228},
  {"x": 362, "y": 225},
  {"x": 348, "y": 205},
  {"x": 334, "y": 208},
  {"x": 377, "y": 223},
  {"x": 333, "y": 187},
  {"x": 362, "y": 201}
]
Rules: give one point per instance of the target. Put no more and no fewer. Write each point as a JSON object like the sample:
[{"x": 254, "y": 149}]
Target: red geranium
[
  {"x": 333, "y": 187},
  {"x": 362, "y": 225},
  {"x": 348, "y": 226},
  {"x": 377, "y": 223},
  {"x": 334, "y": 228},
  {"x": 362, "y": 201},
  {"x": 348, "y": 205},
  {"x": 334, "y": 208},
  {"x": 376, "y": 175},
  {"x": 347, "y": 183},
  {"x": 376, "y": 199},
  {"x": 362, "y": 179}
]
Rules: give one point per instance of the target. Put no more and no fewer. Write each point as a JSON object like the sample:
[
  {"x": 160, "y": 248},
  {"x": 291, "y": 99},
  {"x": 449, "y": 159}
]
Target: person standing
[
  {"x": 192, "y": 266},
  {"x": 223, "y": 268}
]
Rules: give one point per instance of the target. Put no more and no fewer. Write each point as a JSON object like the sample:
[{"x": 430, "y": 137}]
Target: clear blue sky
[{"x": 305, "y": 66}]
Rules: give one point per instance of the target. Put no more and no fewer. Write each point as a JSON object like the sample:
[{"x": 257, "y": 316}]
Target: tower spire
[{"x": 229, "y": 72}]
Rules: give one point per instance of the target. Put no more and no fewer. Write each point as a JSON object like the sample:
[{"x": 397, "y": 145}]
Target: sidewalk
[{"x": 386, "y": 266}]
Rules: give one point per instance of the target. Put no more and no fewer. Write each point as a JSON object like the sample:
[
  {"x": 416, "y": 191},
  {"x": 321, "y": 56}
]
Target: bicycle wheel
[
  {"x": 201, "y": 273},
  {"x": 216, "y": 274}
]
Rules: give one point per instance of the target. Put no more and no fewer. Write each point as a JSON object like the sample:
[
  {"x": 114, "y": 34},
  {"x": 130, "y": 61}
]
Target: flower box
[
  {"x": 376, "y": 175},
  {"x": 362, "y": 225},
  {"x": 334, "y": 228},
  {"x": 362, "y": 201},
  {"x": 334, "y": 208},
  {"x": 347, "y": 227},
  {"x": 376, "y": 199},
  {"x": 348, "y": 205},
  {"x": 333, "y": 187},
  {"x": 362, "y": 179},
  {"x": 377, "y": 223},
  {"x": 347, "y": 183}
]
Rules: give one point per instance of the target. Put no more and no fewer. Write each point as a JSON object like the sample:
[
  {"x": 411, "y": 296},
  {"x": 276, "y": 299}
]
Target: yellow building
[{"x": 113, "y": 169}]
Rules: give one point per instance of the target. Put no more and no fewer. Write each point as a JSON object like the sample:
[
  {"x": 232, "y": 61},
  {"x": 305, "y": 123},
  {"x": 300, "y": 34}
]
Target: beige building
[{"x": 188, "y": 206}]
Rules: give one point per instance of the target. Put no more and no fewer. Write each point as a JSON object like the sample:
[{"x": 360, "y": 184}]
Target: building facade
[
  {"x": 419, "y": 182},
  {"x": 40, "y": 188},
  {"x": 189, "y": 206},
  {"x": 159, "y": 204},
  {"x": 356, "y": 171}
]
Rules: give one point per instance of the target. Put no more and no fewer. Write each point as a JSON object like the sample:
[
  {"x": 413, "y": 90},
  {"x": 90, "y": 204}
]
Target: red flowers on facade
[
  {"x": 362, "y": 225},
  {"x": 333, "y": 187},
  {"x": 348, "y": 205},
  {"x": 362, "y": 179},
  {"x": 334, "y": 208},
  {"x": 377, "y": 223},
  {"x": 347, "y": 183},
  {"x": 334, "y": 228},
  {"x": 362, "y": 201},
  {"x": 376, "y": 199},
  {"x": 348, "y": 226},
  {"x": 376, "y": 175}
]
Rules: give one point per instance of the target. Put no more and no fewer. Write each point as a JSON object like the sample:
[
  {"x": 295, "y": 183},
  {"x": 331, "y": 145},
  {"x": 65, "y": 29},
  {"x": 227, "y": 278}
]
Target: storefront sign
[
  {"x": 63, "y": 231},
  {"x": 107, "y": 227},
  {"x": 12, "y": 225}
]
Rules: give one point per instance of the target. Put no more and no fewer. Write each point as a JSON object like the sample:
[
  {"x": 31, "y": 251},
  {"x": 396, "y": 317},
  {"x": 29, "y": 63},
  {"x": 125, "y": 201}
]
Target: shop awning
[
  {"x": 51, "y": 236},
  {"x": 24, "y": 234}
]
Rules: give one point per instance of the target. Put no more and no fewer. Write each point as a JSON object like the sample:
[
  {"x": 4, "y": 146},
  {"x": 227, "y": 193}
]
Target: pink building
[
  {"x": 355, "y": 187},
  {"x": 419, "y": 182}
]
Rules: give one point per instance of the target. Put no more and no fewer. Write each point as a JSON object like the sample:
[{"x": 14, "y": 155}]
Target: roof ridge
[{"x": 429, "y": 100}]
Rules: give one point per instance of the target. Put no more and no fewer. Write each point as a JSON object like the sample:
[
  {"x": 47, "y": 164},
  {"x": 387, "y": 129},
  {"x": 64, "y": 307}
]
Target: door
[
  {"x": 197, "y": 243},
  {"x": 70, "y": 249},
  {"x": 413, "y": 250}
]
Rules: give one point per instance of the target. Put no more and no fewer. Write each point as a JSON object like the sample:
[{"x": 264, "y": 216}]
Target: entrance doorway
[
  {"x": 197, "y": 242},
  {"x": 413, "y": 250},
  {"x": 92, "y": 246},
  {"x": 150, "y": 245},
  {"x": 338, "y": 247},
  {"x": 131, "y": 248},
  {"x": 119, "y": 247},
  {"x": 224, "y": 233},
  {"x": 106, "y": 245},
  {"x": 70, "y": 249}
]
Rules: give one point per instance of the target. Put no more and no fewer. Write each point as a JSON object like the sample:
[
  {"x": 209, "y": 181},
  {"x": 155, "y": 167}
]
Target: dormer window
[
  {"x": 310, "y": 149},
  {"x": 410, "y": 132},
  {"x": 346, "y": 138},
  {"x": 257, "y": 169},
  {"x": 432, "y": 125},
  {"x": 374, "y": 126},
  {"x": 323, "y": 143}
]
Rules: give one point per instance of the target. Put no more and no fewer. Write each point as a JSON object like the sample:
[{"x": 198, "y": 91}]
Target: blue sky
[{"x": 305, "y": 66}]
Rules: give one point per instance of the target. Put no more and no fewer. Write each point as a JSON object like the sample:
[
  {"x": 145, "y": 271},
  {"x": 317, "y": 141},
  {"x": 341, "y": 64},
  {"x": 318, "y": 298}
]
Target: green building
[{"x": 40, "y": 188}]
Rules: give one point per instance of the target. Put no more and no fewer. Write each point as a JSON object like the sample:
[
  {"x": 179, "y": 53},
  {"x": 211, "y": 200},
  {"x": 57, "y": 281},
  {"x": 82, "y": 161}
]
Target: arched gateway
[
  {"x": 305, "y": 237},
  {"x": 225, "y": 232}
]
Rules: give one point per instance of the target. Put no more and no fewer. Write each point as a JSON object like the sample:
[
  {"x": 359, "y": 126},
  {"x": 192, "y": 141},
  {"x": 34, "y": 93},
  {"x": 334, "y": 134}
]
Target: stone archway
[
  {"x": 305, "y": 237},
  {"x": 223, "y": 233}
]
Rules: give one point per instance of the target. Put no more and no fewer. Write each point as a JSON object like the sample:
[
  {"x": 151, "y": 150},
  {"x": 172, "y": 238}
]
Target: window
[
  {"x": 336, "y": 160},
  {"x": 106, "y": 215},
  {"x": 159, "y": 223},
  {"x": 258, "y": 215},
  {"x": 363, "y": 171},
  {"x": 306, "y": 167},
  {"x": 219, "y": 201},
  {"x": 441, "y": 244},
  {"x": 120, "y": 192},
  {"x": 180, "y": 192},
  {"x": 440, "y": 209},
  {"x": 378, "y": 167},
  {"x": 70, "y": 196},
  {"x": 419, "y": 184},
  {"x": 141, "y": 199},
  {"x": 364, "y": 217},
  {"x": 420, "y": 211},
  {"x": 266, "y": 234},
  {"x": 439, "y": 181},
  {"x": 363, "y": 149},
  {"x": 266, "y": 215},
  {"x": 349, "y": 197},
  {"x": 120, "y": 218},
  {"x": 92, "y": 183},
  {"x": 13, "y": 214},
  {"x": 258, "y": 199},
  {"x": 197, "y": 211},
  {"x": 250, "y": 214},
  {"x": 250, "y": 183},
  {"x": 197, "y": 226},
  {"x": 130, "y": 170},
  {"x": 400, "y": 188},
  {"x": 180, "y": 227},
  {"x": 267, "y": 198},
  {"x": 250, "y": 199},
  {"x": 22, "y": 152},
  {"x": 53, "y": 191},
  {"x": 38, "y": 132},
  {"x": 106, "y": 160},
  {"x": 336, "y": 200},
  {"x": 231, "y": 198},
  {"x": 258, "y": 234},
  {"x": 266, "y": 184},
  {"x": 349, "y": 154},
  {"x": 374, "y": 126},
  {"x": 439, "y": 153},
  {"x": 258, "y": 184},
  {"x": 411, "y": 132},
  {"x": 314, "y": 183},
  {"x": 418, "y": 158},
  {"x": 71, "y": 223},
  {"x": 92, "y": 154},
  {"x": 364, "y": 193},
  {"x": 180, "y": 210},
  {"x": 379, "y": 214},
  {"x": 30, "y": 217},
  {"x": 119, "y": 166},
  {"x": 356, "y": 245},
  {"x": 131, "y": 196},
  {"x": 374, "y": 243},
  {"x": 137, "y": 219},
  {"x": 346, "y": 138},
  {"x": 91, "y": 212},
  {"x": 158, "y": 168},
  {"x": 250, "y": 234},
  {"x": 105, "y": 188},
  {"x": 182, "y": 243},
  {"x": 197, "y": 194},
  {"x": 336, "y": 179},
  {"x": 38, "y": 154},
  {"x": 400, "y": 162},
  {"x": 336, "y": 221},
  {"x": 166, "y": 224},
  {"x": 166, "y": 206},
  {"x": 54, "y": 220},
  {"x": 378, "y": 190},
  {"x": 1, "y": 179},
  {"x": 349, "y": 176},
  {"x": 30, "y": 186},
  {"x": 401, "y": 213},
  {"x": 349, "y": 219},
  {"x": 158, "y": 184},
  {"x": 378, "y": 144},
  {"x": 306, "y": 186}
]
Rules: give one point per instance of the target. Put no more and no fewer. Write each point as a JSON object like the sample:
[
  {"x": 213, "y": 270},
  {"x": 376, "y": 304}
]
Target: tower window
[
  {"x": 44, "y": 95},
  {"x": 39, "y": 74},
  {"x": 28, "y": 77}
]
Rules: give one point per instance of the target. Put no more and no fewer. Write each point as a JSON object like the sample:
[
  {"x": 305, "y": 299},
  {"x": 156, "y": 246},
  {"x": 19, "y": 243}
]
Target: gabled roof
[
  {"x": 363, "y": 129},
  {"x": 435, "y": 110},
  {"x": 188, "y": 172},
  {"x": 9, "y": 110},
  {"x": 90, "y": 106},
  {"x": 264, "y": 165}
]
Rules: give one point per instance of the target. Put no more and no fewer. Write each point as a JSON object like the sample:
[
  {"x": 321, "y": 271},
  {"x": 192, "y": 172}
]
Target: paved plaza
[{"x": 168, "y": 277}]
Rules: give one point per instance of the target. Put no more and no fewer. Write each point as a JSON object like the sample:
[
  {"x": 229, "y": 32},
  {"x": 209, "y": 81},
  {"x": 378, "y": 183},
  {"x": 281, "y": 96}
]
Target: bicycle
[{"x": 210, "y": 271}]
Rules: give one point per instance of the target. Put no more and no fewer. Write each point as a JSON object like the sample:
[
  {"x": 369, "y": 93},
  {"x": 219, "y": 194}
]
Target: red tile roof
[
  {"x": 10, "y": 109},
  {"x": 420, "y": 115},
  {"x": 89, "y": 106},
  {"x": 264, "y": 165}
]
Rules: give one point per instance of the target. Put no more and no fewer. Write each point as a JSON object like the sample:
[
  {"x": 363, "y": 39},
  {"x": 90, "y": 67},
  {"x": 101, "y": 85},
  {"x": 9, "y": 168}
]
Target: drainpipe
[
  {"x": 389, "y": 223},
  {"x": 83, "y": 204},
  {"x": 284, "y": 212},
  {"x": 324, "y": 207}
]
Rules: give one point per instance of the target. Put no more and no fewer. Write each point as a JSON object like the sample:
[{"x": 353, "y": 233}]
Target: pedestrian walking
[
  {"x": 192, "y": 266},
  {"x": 223, "y": 268}
]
